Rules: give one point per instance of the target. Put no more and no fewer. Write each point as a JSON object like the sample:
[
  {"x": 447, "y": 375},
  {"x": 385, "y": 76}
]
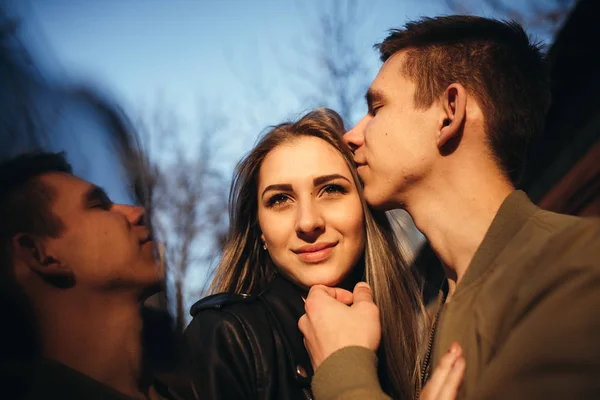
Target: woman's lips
[{"x": 315, "y": 253}]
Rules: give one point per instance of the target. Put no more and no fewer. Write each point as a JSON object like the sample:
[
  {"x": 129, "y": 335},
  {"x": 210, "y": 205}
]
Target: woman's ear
[
  {"x": 30, "y": 251},
  {"x": 263, "y": 240},
  {"x": 454, "y": 104}
]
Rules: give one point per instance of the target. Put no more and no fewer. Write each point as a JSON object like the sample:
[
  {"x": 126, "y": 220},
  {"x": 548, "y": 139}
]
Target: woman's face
[{"x": 310, "y": 213}]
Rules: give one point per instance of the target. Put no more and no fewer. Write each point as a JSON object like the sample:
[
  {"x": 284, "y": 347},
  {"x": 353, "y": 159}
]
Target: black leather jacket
[{"x": 250, "y": 347}]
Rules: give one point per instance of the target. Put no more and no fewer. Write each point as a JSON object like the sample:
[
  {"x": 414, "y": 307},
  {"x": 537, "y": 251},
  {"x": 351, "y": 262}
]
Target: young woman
[{"x": 298, "y": 219}]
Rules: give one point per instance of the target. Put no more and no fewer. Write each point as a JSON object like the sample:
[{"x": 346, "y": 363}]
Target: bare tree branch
[
  {"x": 188, "y": 194},
  {"x": 339, "y": 75}
]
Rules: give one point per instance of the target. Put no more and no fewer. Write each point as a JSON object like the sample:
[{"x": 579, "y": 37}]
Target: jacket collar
[{"x": 512, "y": 215}]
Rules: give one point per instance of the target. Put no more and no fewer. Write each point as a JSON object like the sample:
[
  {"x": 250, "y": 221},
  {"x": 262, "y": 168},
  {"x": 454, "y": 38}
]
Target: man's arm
[
  {"x": 336, "y": 318},
  {"x": 348, "y": 374},
  {"x": 342, "y": 341}
]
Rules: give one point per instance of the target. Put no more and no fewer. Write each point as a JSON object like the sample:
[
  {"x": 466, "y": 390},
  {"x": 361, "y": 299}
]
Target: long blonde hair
[{"x": 246, "y": 268}]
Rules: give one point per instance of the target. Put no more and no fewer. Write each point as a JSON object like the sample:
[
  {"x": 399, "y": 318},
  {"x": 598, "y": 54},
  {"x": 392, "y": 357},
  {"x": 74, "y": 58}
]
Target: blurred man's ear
[{"x": 31, "y": 252}]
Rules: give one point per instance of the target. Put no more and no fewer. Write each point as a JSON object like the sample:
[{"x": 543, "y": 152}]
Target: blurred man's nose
[
  {"x": 355, "y": 137},
  {"x": 133, "y": 214}
]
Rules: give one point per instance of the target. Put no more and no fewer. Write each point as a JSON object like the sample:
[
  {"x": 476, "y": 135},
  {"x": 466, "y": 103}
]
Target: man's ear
[
  {"x": 454, "y": 104},
  {"x": 31, "y": 251}
]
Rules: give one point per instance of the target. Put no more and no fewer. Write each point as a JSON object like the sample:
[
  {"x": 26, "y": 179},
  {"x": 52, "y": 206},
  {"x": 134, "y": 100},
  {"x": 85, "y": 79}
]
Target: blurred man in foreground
[{"x": 82, "y": 267}]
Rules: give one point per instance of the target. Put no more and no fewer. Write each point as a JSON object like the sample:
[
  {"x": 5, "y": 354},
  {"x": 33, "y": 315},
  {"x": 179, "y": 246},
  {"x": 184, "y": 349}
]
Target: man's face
[
  {"x": 394, "y": 144},
  {"x": 105, "y": 245}
]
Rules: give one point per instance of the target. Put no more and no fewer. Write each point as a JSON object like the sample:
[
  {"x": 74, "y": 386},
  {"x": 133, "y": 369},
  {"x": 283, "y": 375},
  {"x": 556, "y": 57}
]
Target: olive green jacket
[{"x": 526, "y": 313}]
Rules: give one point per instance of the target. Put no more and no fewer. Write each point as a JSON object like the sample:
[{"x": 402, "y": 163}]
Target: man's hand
[{"x": 331, "y": 324}]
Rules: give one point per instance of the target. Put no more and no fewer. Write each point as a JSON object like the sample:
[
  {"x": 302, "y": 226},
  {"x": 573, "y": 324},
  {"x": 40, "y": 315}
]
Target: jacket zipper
[
  {"x": 307, "y": 394},
  {"x": 425, "y": 367}
]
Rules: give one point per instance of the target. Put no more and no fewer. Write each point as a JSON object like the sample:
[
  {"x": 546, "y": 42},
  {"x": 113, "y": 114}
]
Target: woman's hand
[{"x": 447, "y": 376}]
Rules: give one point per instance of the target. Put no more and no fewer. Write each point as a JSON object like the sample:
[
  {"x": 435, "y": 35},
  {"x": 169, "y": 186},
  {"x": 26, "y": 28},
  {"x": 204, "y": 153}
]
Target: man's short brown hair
[{"x": 495, "y": 61}]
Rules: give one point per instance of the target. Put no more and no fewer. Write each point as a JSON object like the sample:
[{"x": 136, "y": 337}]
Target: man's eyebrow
[
  {"x": 327, "y": 178},
  {"x": 373, "y": 96},
  {"x": 279, "y": 186}
]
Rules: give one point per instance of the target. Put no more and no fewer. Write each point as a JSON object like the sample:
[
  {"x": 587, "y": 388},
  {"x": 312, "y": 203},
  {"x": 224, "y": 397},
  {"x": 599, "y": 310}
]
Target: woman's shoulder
[
  {"x": 231, "y": 327},
  {"x": 221, "y": 301},
  {"x": 229, "y": 311}
]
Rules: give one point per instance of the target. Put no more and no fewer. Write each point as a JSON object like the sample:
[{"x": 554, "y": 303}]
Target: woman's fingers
[
  {"x": 449, "y": 389},
  {"x": 447, "y": 376}
]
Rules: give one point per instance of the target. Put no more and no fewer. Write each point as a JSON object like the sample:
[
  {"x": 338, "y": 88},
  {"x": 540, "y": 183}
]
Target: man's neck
[
  {"x": 99, "y": 336},
  {"x": 455, "y": 214}
]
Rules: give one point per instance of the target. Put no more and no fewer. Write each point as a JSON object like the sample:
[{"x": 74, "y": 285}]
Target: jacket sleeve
[
  {"x": 221, "y": 357},
  {"x": 553, "y": 351},
  {"x": 348, "y": 374}
]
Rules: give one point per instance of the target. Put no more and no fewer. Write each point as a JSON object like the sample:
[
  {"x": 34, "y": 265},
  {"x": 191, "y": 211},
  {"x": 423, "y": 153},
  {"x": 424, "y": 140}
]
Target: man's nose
[{"x": 355, "y": 137}]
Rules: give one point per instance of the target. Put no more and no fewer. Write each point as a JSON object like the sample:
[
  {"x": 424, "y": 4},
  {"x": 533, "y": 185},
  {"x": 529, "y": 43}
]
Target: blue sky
[
  {"x": 182, "y": 51},
  {"x": 227, "y": 56}
]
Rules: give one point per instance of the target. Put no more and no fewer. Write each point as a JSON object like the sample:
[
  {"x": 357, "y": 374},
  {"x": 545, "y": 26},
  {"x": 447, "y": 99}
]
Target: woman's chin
[{"x": 308, "y": 282}]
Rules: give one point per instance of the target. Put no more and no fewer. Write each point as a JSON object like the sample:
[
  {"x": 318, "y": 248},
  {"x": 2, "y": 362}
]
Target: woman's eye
[
  {"x": 277, "y": 200},
  {"x": 334, "y": 189}
]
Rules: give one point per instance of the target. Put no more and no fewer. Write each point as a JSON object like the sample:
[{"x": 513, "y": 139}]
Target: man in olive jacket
[{"x": 451, "y": 113}]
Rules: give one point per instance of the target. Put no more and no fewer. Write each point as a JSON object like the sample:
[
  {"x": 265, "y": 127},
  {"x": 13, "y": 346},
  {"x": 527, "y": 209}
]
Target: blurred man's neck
[
  {"x": 455, "y": 212},
  {"x": 97, "y": 335}
]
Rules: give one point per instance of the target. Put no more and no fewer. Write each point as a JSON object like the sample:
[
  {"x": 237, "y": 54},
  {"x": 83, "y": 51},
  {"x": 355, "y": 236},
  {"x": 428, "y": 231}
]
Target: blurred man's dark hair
[
  {"x": 25, "y": 200},
  {"x": 495, "y": 61},
  {"x": 24, "y": 207}
]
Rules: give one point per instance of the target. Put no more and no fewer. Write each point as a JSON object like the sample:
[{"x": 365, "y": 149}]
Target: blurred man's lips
[{"x": 146, "y": 240}]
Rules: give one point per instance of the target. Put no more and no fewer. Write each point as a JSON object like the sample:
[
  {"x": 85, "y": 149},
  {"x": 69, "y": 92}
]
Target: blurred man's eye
[
  {"x": 102, "y": 201},
  {"x": 105, "y": 205}
]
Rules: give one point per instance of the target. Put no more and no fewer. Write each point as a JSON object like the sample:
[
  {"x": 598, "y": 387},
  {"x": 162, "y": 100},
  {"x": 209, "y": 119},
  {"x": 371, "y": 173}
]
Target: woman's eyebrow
[
  {"x": 278, "y": 186},
  {"x": 326, "y": 178}
]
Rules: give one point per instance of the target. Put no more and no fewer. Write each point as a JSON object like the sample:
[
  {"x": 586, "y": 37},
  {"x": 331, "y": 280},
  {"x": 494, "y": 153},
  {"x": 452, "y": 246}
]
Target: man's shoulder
[
  {"x": 566, "y": 231},
  {"x": 553, "y": 222},
  {"x": 549, "y": 250},
  {"x": 569, "y": 235},
  {"x": 556, "y": 247}
]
